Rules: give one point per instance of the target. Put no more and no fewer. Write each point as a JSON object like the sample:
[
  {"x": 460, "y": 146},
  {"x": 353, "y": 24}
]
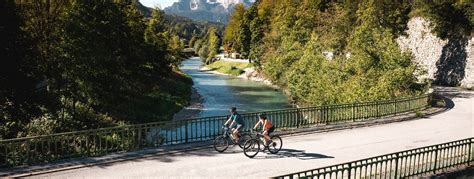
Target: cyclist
[
  {"x": 237, "y": 123},
  {"x": 267, "y": 127}
]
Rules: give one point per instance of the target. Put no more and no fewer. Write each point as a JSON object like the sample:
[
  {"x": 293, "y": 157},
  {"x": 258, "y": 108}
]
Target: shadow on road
[
  {"x": 293, "y": 153},
  {"x": 452, "y": 92}
]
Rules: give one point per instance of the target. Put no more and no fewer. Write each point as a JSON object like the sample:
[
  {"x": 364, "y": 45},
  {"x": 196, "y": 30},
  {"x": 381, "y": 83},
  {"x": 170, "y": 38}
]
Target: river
[{"x": 220, "y": 92}]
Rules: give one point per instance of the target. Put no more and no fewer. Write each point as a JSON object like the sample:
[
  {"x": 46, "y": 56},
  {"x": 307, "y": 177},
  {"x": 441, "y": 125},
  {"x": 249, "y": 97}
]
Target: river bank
[
  {"x": 249, "y": 74},
  {"x": 193, "y": 110}
]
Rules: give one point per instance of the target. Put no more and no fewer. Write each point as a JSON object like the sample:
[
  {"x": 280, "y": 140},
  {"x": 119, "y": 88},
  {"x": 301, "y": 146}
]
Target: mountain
[
  {"x": 182, "y": 26},
  {"x": 205, "y": 10}
]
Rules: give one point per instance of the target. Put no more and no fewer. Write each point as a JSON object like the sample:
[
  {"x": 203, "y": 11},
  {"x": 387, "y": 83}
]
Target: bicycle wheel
[
  {"x": 244, "y": 138},
  {"x": 251, "y": 148},
  {"x": 276, "y": 145},
  {"x": 220, "y": 144}
]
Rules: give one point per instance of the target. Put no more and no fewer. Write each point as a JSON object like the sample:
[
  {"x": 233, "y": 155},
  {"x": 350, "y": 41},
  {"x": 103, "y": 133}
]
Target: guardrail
[
  {"x": 409, "y": 163},
  {"x": 41, "y": 149}
]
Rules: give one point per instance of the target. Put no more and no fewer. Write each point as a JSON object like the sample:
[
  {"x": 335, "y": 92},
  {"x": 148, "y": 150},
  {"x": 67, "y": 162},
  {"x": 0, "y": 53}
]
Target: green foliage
[
  {"x": 237, "y": 33},
  {"x": 192, "y": 41},
  {"x": 175, "y": 48},
  {"x": 43, "y": 125},
  {"x": 290, "y": 39},
  {"x": 213, "y": 44},
  {"x": 208, "y": 46},
  {"x": 450, "y": 18},
  {"x": 86, "y": 65},
  {"x": 377, "y": 67},
  {"x": 21, "y": 92},
  {"x": 310, "y": 86},
  {"x": 204, "y": 52}
]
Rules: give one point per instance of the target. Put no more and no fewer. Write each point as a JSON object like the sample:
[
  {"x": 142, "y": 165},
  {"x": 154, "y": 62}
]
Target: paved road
[{"x": 300, "y": 152}]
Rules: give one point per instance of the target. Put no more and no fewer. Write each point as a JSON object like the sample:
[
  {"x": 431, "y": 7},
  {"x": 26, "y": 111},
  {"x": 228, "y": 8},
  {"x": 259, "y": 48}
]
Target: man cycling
[
  {"x": 267, "y": 127},
  {"x": 237, "y": 123}
]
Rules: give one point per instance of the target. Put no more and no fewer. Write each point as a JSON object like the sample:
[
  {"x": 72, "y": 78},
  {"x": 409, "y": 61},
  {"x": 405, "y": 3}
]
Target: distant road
[{"x": 300, "y": 152}]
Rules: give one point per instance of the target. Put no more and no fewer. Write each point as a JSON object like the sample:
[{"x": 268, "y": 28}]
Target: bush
[{"x": 43, "y": 125}]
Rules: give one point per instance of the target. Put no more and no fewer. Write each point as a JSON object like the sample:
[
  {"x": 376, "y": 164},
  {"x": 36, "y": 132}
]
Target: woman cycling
[{"x": 267, "y": 127}]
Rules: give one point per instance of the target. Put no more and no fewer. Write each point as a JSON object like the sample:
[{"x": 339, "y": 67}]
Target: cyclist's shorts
[
  {"x": 239, "y": 127},
  {"x": 270, "y": 130}
]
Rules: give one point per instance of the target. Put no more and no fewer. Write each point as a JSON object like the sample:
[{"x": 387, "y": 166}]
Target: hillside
[{"x": 183, "y": 26}]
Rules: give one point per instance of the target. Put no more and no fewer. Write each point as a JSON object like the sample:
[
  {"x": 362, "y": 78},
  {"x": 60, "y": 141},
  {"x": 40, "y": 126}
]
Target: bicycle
[
  {"x": 252, "y": 146},
  {"x": 221, "y": 143}
]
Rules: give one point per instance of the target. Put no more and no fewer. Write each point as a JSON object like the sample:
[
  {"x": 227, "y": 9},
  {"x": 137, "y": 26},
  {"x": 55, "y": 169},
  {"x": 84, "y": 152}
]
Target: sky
[{"x": 161, "y": 3}]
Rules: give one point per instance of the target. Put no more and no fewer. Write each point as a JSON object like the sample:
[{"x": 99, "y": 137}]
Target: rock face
[
  {"x": 447, "y": 62},
  {"x": 205, "y": 10},
  {"x": 468, "y": 81},
  {"x": 251, "y": 73}
]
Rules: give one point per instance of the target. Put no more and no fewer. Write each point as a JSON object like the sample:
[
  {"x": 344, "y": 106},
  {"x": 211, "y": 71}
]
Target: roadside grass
[{"x": 231, "y": 68}]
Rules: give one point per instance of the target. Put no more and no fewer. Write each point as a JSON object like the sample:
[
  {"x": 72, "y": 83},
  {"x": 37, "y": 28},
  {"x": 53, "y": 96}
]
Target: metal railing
[
  {"x": 41, "y": 149},
  {"x": 410, "y": 163}
]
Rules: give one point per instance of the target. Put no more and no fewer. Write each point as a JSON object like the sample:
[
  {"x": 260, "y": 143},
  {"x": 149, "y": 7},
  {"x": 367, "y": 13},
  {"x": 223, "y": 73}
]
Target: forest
[
  {"x": 74, "y": 65},
  {"x": 327, "y": 52}
]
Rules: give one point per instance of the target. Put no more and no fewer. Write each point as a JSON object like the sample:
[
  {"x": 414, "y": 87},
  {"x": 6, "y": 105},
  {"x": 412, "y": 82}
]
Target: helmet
[{"x": 262, "y": 116}]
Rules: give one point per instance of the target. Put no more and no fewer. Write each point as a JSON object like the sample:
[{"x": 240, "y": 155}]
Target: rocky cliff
[{"x": 446, "y": 61}]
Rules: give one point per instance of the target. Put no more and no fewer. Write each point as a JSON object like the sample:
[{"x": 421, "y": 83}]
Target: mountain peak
[
  {"x": 225, "y": 3},
  {"x": 205, "y": 10}
]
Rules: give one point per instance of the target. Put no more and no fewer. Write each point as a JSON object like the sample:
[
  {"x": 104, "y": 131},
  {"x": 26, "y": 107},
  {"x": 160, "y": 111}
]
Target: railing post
[
  {"x": 321, "y": 115},
  {"x": 327, "y": 114},
  {"x": 396, "y": 112},
  {"x": 377, "y": 107},
  {"x": 297, "y": 118},
  {"x": 428, "y": 99},
  {"x": 353, "y": 112},
  {"x": 409, "y": 105},
  {"x": 186, "y": 131},
  {"x": 436, "y": 159},
  {"x": 349, "y": 173},
  {"x": 139, "y": 138},
  {"x": 396, "y": 165},
  {"x": 87, "y": 145},
  {"x": 469, "y": 155}
]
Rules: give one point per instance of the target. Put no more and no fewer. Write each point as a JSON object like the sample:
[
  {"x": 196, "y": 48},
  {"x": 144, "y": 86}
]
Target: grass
[
  {"x": 231, "y": 68},
  {"x": 419, "y": 114}
]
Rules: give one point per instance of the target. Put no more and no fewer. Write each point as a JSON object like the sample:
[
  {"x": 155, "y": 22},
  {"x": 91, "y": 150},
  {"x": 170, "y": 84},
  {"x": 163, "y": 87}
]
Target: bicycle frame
[
  {"x": 228, "y": 134},
  {"x": 260, "y": 137}
]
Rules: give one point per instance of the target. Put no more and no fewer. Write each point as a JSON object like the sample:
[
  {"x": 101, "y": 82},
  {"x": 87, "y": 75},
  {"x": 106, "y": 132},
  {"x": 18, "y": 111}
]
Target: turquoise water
[{"x": 220, "y": 92}]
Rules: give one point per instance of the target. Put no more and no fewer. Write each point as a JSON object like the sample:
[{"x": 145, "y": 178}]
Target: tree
[
  {"x": 192, "y": 41},
  {"x": 155, "y": 33},
  {"x": 20, "y": 99},
  {"x": 204, "y": 53},
  {"x": 175, "y": 51},
  {"x": 256, "y": 38},
  {"x": 313, "y": 79},
  {"x": 233, "y": 32},
  {"x": 213, "y": 44},
  {"x": 378, "y": 68},
  {"x": 198, "y": 45}
]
